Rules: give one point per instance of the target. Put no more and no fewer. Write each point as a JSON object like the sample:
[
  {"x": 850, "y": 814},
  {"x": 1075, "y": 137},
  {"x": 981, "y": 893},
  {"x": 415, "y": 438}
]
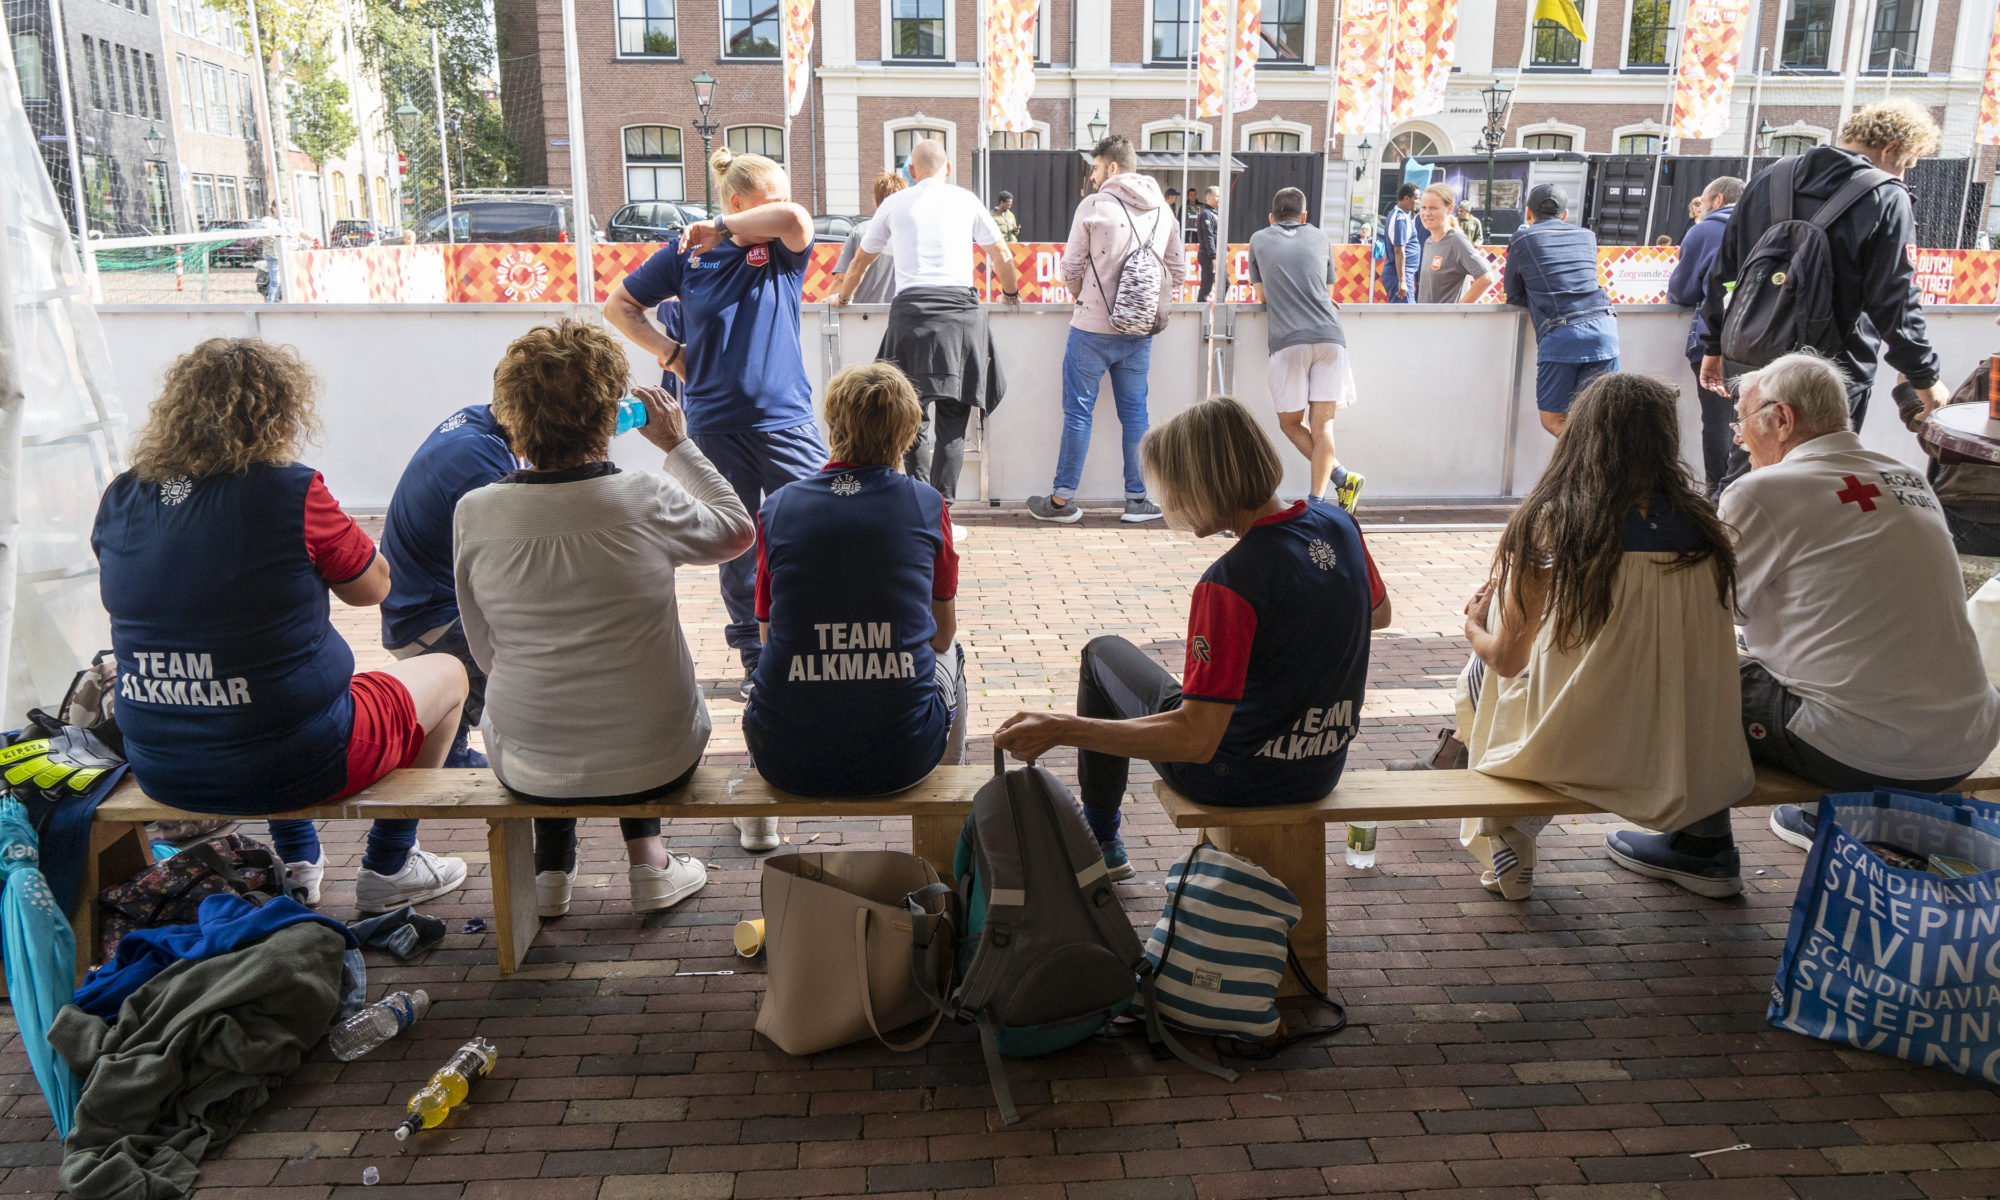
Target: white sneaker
[
  {"x": 425, "y": 876},
  {"x": 654, "y": 888},
  {"x": 304, "y": 880},
  {"x": 959, "y": 533},
  {"x": 757, "y": 834},
  {"x": 552, "y": 892}
]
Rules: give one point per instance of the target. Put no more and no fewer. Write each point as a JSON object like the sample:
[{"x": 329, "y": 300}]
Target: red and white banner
[
  {"x": 1361, "y": 93},
  {"x": 1989, "y": 99},
  {"x": 1707, "y": 74},
  {"x": 796, "y": 18},
  {"x": 1010, "y": 63},
  {"x": 1426, "y": 45},
  {"x": 1215, "y": 43}
]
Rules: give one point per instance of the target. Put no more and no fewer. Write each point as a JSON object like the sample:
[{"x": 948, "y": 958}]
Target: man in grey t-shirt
[{"x": 1308, "y": 372}]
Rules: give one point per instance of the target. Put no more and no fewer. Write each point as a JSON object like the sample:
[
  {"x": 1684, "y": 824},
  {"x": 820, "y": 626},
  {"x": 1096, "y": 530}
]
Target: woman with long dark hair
[{"x": 1604, "y": 647}]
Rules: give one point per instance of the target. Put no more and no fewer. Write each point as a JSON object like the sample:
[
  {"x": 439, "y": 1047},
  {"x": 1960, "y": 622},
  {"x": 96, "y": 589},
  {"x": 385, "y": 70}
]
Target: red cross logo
[{"x": 1857, "y": 492}]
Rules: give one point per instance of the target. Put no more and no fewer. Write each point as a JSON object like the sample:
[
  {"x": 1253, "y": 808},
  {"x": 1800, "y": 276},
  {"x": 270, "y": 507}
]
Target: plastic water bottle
[
  {"x": 631, "y": 414},
  {"x": 377, "y": 1023},
  {"x": 447, "y": 1089},
  {"x": 1361, "y": 844}
]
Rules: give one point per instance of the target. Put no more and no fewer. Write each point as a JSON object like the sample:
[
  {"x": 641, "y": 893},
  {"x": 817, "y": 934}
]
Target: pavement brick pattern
[{"x": 1586, "y": 1043}]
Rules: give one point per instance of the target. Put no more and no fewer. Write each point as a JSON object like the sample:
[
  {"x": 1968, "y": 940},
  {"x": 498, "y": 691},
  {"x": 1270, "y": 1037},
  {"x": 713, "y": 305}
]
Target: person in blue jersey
[
  {"x": 860, "y": 691},
  {"x": 739, "y": 278},
  {"x": 1277, "y": 645},
  {"x": 1551, "y": 270},
  {"x": 467, "y": 450},
  {"x": 217, "y": 552}
]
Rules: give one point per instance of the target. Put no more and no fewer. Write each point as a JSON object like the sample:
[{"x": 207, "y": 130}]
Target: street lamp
[
  {"x": 1764, "y": 133},
  {"x": 154, "y": 139},
  {"x": 704, "y": 99},
  {"x": 1097, "y": 127},
  {"x": 410, "y": 119},
  {"x": 1361, "y": 164},
  {"x": 1496, "y": 98}
]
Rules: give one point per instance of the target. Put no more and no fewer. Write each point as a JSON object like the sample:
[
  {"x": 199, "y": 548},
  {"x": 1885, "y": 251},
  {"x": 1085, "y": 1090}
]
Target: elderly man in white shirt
[
  {"x": 1860, "y": 668},
  {"x": 937, "y": 330}
]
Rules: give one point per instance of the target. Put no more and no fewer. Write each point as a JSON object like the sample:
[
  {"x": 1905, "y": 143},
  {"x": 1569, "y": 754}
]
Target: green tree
[
  {"x": 322, "y": 117},
  {"x": 394, "y": 36}
]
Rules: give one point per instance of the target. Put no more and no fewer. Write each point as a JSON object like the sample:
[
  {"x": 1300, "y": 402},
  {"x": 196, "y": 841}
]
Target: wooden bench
[
  {"x": 1290, "y": 841},
  {"x": 936, "y": 809}
]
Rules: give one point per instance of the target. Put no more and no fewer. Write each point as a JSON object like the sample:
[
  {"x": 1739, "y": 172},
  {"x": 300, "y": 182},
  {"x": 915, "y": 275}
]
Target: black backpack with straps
[{"x": 1783, "y": 299}]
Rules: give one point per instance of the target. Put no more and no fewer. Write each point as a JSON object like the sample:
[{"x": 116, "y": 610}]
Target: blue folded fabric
[{"x": 224, "y": 922}]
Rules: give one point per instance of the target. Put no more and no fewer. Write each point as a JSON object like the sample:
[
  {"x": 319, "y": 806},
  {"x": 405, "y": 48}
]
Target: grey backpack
[
  {"x": 1136, "y": 307},
  {"x": 1040, "y": 949}
]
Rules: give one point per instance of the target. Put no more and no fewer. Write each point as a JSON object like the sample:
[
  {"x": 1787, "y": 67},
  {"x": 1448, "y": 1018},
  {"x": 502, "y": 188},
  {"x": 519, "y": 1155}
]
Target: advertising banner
[
  {"x": 796, "y": 16},
  {"x": 1426, "y": 44},
  {"x": 1360, "y": 93},
  {"x": 1709, "y": 49},
  {"x": 1989, "y": 98},
  {"x": 1010, "y": 63},
  {"x": 1214, "y": 43}
]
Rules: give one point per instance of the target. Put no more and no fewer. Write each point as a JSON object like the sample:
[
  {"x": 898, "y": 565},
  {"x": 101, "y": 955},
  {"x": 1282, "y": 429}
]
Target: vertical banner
[
  {"x": 1361, "y": 91},
  {"x": 1426, "y": 44},
  {"x": 1989, "y": 97},
  {"x": 1707, "y": 73},
  {"x": 1010, "y": 63},
  {"x": 1214, "y": 43},
  {"x": 796, "y": 16}
]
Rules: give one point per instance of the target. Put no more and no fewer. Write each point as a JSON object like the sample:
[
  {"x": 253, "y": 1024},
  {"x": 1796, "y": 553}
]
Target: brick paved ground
[{"x": 1584, "y": 1043}]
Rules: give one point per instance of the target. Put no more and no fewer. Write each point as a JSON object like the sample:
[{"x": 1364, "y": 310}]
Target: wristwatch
[{"x": 722, "y": 226}]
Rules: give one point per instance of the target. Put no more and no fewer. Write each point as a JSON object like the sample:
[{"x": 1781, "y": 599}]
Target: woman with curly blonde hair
[{"x": 218, "y": 550}]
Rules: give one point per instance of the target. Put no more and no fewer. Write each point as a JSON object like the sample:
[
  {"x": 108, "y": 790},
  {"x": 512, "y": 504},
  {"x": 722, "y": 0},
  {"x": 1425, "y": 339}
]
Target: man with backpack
[
  {"x": 1817, "y": 242},
  {"x": 1122, "y": 263},
  {"x": 1687, "y": 287}
]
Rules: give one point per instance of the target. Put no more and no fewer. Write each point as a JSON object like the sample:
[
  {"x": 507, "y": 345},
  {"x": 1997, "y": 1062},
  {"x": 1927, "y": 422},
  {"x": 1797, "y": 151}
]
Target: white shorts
[{"x": 1314, "y": 373}]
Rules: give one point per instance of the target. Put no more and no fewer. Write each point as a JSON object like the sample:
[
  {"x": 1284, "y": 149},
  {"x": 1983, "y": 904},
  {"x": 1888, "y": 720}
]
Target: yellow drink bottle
[{"x": 447, "y": 1089}]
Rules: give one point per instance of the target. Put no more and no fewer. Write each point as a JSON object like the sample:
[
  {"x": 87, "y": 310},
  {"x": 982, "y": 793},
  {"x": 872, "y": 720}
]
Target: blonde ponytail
[{"x": 746, "y": 174}]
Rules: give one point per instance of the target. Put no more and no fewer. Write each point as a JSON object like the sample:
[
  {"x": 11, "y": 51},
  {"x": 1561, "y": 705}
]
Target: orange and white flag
[
  {"x": 1361, "y": 93},
  {"x": 1010, "y": 63},
  {"x": 1989, "y": 98},
  {"x": 796, "y": 19},
  {"x": 1214, "y": 43},
  {"x": 1426, "y": 44},
  {"x": 1707, "y": 74}
]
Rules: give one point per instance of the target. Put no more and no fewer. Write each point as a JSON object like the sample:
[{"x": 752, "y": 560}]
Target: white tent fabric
[{"x": 59, "y": 443}]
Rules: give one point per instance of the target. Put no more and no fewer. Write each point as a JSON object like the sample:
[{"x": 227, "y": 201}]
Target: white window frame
[
  {"x": 918, "y": 120},
  {"x": 780, "y": 129},
  {"x": 1675, "y": 11},
  {"x": 722, "y": 37},
  {"x": 1036, "y": 127},
  {"x": 1203, "y": 132},
  {"x": 617, "y": 32},
  {"x": 1836, "y": 41},
  {"x": 625, "y": 164},
  {"x": 950, "y": 37},
  {"x": 1585, "y": 58},
  {"x": 1168, "y": 64},
  {"x": 1575, "y": 132},
  {"x": 1276, "y": 125},
  {"x": 1044, "y": 46},
  {"x": 1650, "y": 127},
  {"x": 1305, "y": 60},
  {"x": 1801, "y": 129}
]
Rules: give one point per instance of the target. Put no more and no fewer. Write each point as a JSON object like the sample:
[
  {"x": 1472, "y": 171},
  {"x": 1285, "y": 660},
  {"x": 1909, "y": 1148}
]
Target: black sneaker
[
  {"x": 1137, "y": 511},
  {"x": 1045, "y": 508},
  {"x": 744, "y": 688}
]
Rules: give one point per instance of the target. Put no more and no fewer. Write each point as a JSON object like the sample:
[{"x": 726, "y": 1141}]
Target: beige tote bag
[{"x": 837, "y": 949}]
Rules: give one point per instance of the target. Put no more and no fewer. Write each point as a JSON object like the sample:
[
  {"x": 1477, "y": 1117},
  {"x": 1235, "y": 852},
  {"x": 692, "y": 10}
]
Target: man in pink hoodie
[{"x": 1123, "y": 213}]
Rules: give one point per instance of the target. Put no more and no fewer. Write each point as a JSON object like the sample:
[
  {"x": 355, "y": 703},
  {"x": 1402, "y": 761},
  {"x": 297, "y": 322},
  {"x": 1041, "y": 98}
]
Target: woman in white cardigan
[{"x": 566, "y": 587}]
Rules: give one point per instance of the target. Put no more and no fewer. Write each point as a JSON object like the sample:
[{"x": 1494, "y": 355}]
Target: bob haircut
[
  {"x": 1211, "y": 461},
  {"x": 556, "y": 393},
  {"x": 872, "y": 415},
  {"x": 225, "y": 406}
]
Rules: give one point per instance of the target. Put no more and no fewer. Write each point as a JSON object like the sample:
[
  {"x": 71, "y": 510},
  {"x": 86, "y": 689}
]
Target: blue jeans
[
  {"x": 1557, "y": 383},
  {"x": 274, "y": 282},
  {"x": 389, "y": 843},
  {"x": 1089, "y": 357},
  {"x": 756, "y": 464}
]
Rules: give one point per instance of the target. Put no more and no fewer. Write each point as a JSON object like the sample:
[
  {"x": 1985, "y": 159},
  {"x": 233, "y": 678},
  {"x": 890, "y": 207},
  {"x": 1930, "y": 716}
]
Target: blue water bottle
[{"x": 631, "y": 413}]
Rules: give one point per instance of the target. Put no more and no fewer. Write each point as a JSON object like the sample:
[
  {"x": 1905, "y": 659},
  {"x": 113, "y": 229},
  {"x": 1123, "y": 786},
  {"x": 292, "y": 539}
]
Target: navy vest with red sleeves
[
  {"x": 846, "y": 701},
  {"x": 233, "y": 686},
  {"x": 1280, "y": 629}
]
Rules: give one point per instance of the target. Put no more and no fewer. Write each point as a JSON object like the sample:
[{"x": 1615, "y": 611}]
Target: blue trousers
[
  {"x": 1087, "y": 360},
  {"x": 389, "y": 843},
  {"x": 756, "y": 464}
]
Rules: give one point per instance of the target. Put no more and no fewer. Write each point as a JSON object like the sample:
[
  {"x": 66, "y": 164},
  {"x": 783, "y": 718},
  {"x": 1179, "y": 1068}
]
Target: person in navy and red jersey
[
  {"x": 860, "y": 691},
  {"x": 739, "y": 278},
  {"x": 467, "y": 450},
  {"x": 1277, "y": 647},
  {"x": 217, "y": 552}
]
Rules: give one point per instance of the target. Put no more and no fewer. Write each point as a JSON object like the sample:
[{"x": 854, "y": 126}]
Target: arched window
[
  {"x": 1275, "y": 140},
  {"x": 904, "y": 140},
  {"x": 1175, "y": 139},
  {"x": 767, "y": 140},
  {"x": 1547, "y": 141},
  {"x": 340, "y": 206},
  {"x": 1638, "y": 143},
  {"x": 653, "y": 163},
  {"x": 381, "y": 201},
  {"x": 1792, "y": 143},
  {"x": 1030, "y": 139}
]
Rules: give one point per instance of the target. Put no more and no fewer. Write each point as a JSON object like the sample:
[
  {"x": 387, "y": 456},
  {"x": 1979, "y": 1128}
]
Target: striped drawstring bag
[{"x": 1219, "y": 951}]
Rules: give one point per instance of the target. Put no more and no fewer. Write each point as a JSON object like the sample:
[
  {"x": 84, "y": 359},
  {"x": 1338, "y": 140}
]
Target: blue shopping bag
[{"x": 1896, "y": 961}]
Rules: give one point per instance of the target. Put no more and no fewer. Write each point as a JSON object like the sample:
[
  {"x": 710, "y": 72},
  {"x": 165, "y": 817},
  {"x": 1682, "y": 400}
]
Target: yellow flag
[{"x": 1563, "y": 13}]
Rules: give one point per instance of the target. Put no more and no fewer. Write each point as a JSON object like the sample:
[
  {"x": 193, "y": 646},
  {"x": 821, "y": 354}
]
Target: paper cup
[{"x": 750, "y": 938}]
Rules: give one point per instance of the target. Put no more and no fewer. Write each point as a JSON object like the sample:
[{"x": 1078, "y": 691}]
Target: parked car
[
  {"x": 646, "y": 221},
  {"x": 833, "y": 228},
  {"x": 238, "y": 253},
  {"x": 524, "y": 218},
  {"x": 357, "y": 233}
]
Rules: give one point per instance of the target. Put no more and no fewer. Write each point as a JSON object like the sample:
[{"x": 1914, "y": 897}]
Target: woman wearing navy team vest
[
  {"x": 1277, "y": 646},
  {"x": 739, "y": 278},
  {"x": 860, "y": 691},
  {"x": 217, "y": 553}
]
